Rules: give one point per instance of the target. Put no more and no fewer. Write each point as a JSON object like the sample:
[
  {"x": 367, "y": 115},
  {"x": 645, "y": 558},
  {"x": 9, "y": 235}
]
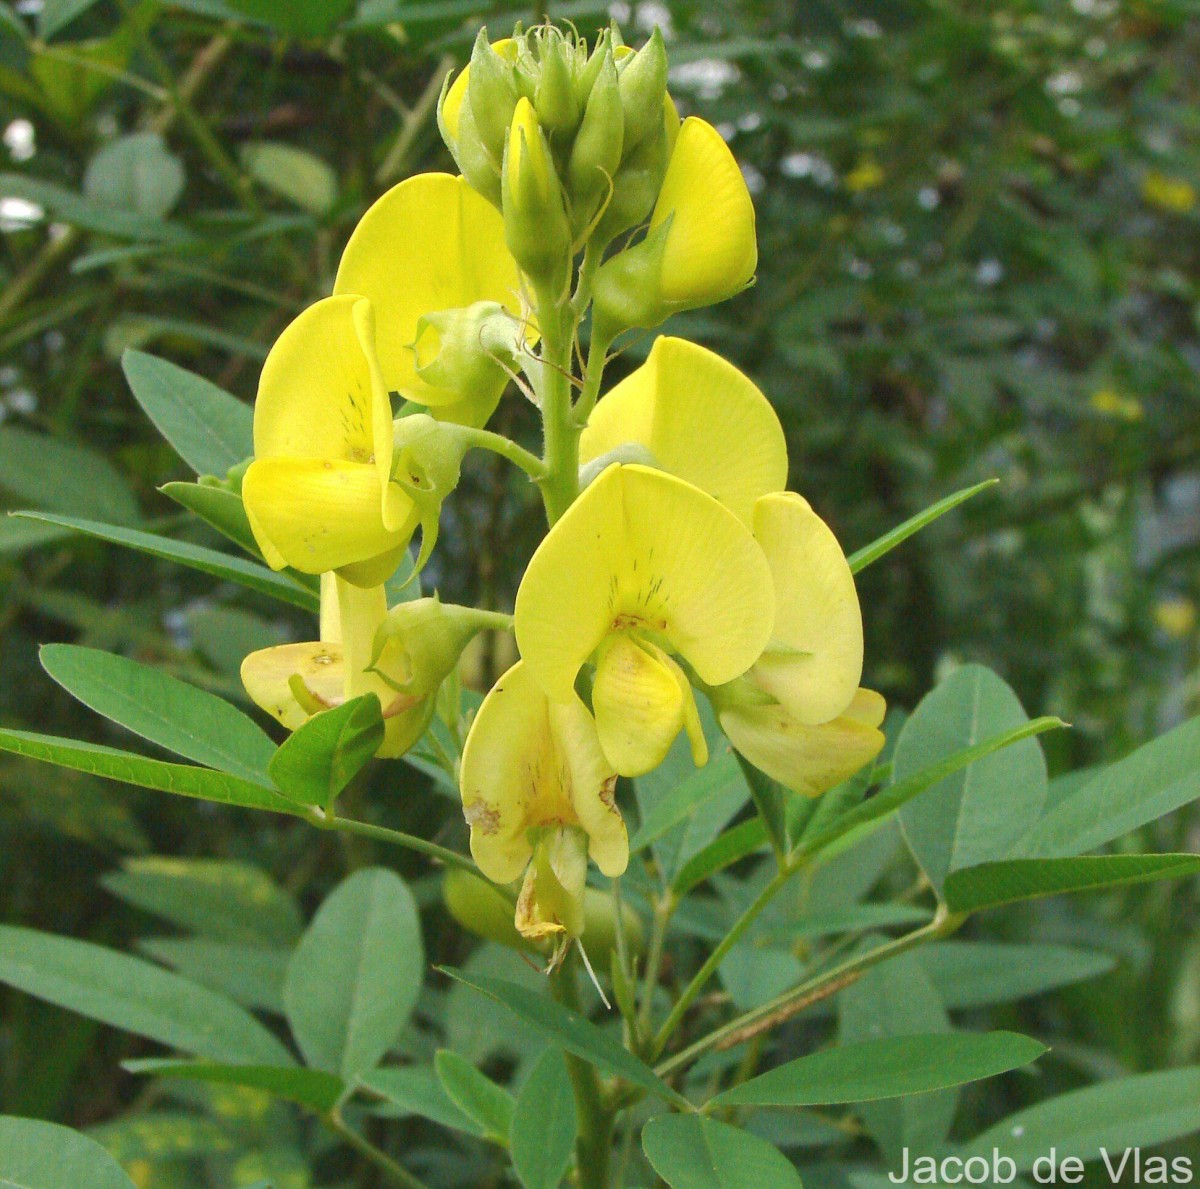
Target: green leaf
[
  {"x": 209, "y": 561},
  {"x": 353, "y": 981},
  {"x": 888, "y": 1068},
  {"x": 570, "y": 1030},
  {"x": 135, "y": 173},
  {"x": 211, "y": 430},
  {"x": 317, "y": 761},
  {"x": 694, "y": 1152},
  {"x": 250, "y": 974},
  {"x": 134, "y": 996},
  {"x": 476, "y": 1095},
  {"x": 37, "y": 1155},
  {"x": 1156, "y": 779},
  {"x": 722, "y": 852},
  {"x": 64, "y": 477},
  {"x": 771, "y": 801},
  {"x": 176, "y": 716},
  {"x": 416, "y": 1090},
  {"x": 303, "y": 18},
  {"x": 544, "y": 1124},
  {"x": 219, "y": 899},
  {"x": 224, "y": 511},
  {"x": 312, "y": 1088},
  {"x": 887, "y": 801},
  {"x": 686, "y": 799},
  {"x": 870, "y": 1011},
  {"x": 991, "y": 884},
  {"x": 295, "y": 174},
  {"x": 57, "y": 14},
  {"x": 157, "y": 1135},
  {"x": 68, "y": 206},
  {"x": 970, "y": 974},
  {"x": 1130, "y": 1112},
  {"x": 982, "y": 812},
  {"x": 885, "y": 544},
  {"x": 131, "y": 768}
]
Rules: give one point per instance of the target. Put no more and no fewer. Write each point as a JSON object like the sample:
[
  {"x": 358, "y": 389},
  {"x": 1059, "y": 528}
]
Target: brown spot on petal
[
  {"x": 482, "y": 816},
  {"x": 608, "y": 793}
]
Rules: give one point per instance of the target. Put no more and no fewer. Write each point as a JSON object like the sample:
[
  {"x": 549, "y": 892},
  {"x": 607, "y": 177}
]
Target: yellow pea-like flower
[
  {"x": 700, "y": 419},
  {"x": 537, "y": 794},
  {"x": 318, "y": 494},
  {"x": 429, "y": 245},
  {"x": 798, "y": 714},
  {"x": 809, "y": 760},
  {"x": 643, "y": 555}
]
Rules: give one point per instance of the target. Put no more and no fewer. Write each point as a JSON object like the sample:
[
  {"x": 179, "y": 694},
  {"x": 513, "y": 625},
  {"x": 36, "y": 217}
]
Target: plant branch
[
  {"x": 418, "y": 115},
  {"x": 394, "y": 1172}
]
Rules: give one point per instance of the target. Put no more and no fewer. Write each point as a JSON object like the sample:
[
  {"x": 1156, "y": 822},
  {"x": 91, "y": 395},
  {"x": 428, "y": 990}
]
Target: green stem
[
  {"x": 592, "y": 376},
  {"x": 663, "y": 910},
  {"x": 594, "y": 1142},
  {"x": 943, "y": 924},
  {"x": 394, "y": 1172},
  {"x": 348, "y": 825},
  {"x": 560, "y": 482},
  {"x": 485, "y": 439}
]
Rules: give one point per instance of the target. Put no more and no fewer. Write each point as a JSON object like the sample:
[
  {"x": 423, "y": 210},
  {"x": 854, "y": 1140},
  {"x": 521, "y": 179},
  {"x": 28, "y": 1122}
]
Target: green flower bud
[
  {"x": 643, "y": 88},
  {"x": 465, "y": 352},
  {"x": 492, "y": 91},
  {"x": 426, "y": 464},
  {"x": 636, "y": 187},
  {"x": 589, "y": 71},
  {"x": 472, "y": 158},
  {"x": 596, "y": 154},
  {"x": 535, "y": 220},
  {"x": 558, "y": 108}
]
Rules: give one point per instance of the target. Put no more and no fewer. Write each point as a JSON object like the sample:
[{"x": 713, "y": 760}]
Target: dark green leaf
[
  {"x": 476, "y": 1095},
  {"x": 135, "y": 173},
  {"x": 37, "y": 1155},
  {"x": 312, "y": 1088},
  {"x": 971, "y": 974},
  {"x": 317, "y": 761},
  {"x": 224, "y": 510},
  {"x": 251, "y": 975},
  {"x": 134, "y": 996},
  {"x": 416, "y": 1090},
  {"x": 570, "y": 1030},
  {"x": 353, "y": 980},
  {"x": 166, "y": 711},
  {"x": 990, "y": 884},
  {"x": 544, "y": 1124},
  {"x": 728, "y": 848},
  {"x": 694, "y": 1152},
  {"x": 771, "y": 801},
  {"x": 888, "y": 1068},
  {"x": 71, "y": 207},
  {"x": 211, "y": 430}
]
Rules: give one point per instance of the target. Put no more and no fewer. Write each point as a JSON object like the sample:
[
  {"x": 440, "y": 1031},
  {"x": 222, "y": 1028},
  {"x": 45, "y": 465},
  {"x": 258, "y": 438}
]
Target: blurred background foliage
[{"x": 980, "y": 243}]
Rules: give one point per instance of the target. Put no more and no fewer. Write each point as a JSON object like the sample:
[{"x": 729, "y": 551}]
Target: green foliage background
[{"x": 979, "y": 257}]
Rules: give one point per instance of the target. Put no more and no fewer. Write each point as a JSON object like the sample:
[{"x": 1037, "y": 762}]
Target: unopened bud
[
  {"x": 636, "y": 186},
  {"x": 643, "y": 85},
  {"x": 599, "y": 144},
  {"x": 558, "y": 108},
  {"x": 535, "y": 220},
  {"x": 419, "y": 643},
  {"x": 463, "y": 354},
  {"x": 492, "y": 90}
]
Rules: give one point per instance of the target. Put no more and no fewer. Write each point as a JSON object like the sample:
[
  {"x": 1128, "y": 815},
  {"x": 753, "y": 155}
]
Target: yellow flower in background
[
  {"x": 699, "y": 418},
  {"x": 537, "y": 794},
  {"x": 1112, "y": 403},
  {"x": 798, "y": 712},
  {"x": 642, "y": 566},
  {"x": 318, "y": 494},
  {"x": 1176, "y": 196},
  {"x": 1176, "y": 616},
  {"x": 429, "y": 246},
  {"x": 701, "y": 247},
  {"x": 868, "y": 174}
]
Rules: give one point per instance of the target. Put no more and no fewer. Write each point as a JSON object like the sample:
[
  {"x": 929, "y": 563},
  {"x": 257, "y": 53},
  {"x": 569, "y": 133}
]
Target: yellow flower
[
  {"x": 537, "y": 794},
  {"x": 798, "y": 713},
  {"x": 699, "y": 418},
  {"x": 1116, "y": 404},
  {"x": 431, "y": 245},
  {"x": 643, "y": 565},
  {"x": 318, "y": 494},
  {"x": 1177, "y": 196},
  {"x": 701, "y": 246},
  {"x": 1176, "y": 616},
  {"x": 402, "y": 656},
  {"x": 866, "y": 175}
]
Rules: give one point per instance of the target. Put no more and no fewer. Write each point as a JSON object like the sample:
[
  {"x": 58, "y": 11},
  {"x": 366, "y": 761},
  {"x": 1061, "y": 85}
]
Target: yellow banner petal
[
  {"x": 701, "y": 419},
  {"x": 643, "y": 550},
  {"x": 711, "y": 250},
  {"x": 818, "y": 621},
  {"x": 806, "y": 759},
  {"x": 431, "y": 243},
  {"x": 319, "y": 515}
]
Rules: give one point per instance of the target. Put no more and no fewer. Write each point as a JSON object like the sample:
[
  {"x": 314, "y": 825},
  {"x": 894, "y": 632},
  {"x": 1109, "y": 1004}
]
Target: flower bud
[
  {"x": 596, "y": 154},
  {"x": 558, "y": 107},
  {"x": 462, "y": 138},
  {"x": 636, "y": 186},
  {"x": 535, "y": 220},
  {"x": 643, "y": 87},
  {"x": 492, "y": 90},
  {"x": 589, "y": 72},
  {"x": 426, "y": 463},
  {"x": 419, "y": 643},
  {"x": 701, "y": 246},
  {"x": 463, "y": 353}
]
